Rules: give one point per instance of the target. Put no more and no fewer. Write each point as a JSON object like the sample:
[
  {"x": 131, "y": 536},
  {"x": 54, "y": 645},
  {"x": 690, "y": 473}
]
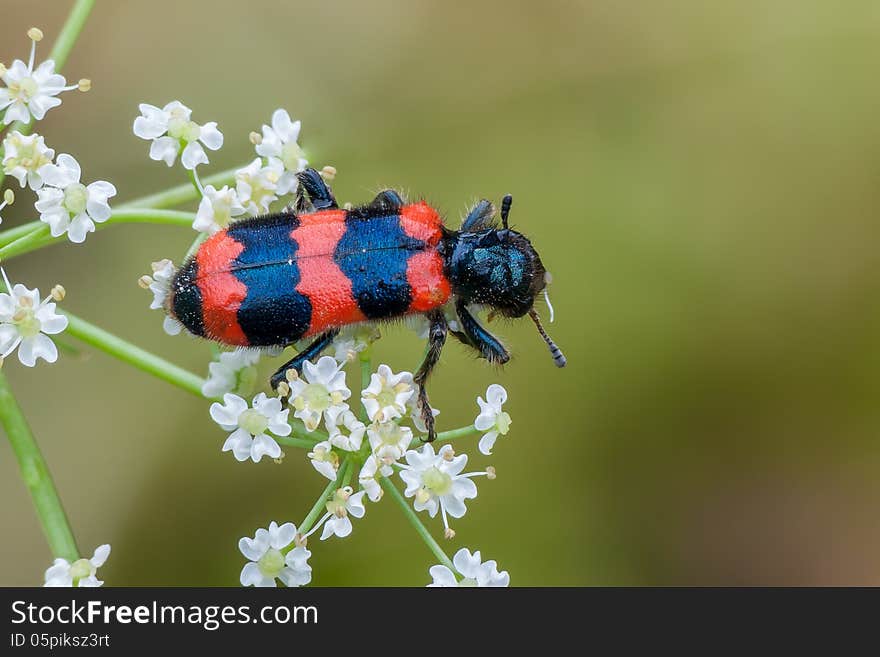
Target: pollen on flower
[
  {"x": 255, "y": 138},
  {"x": 9, "y": 197},
  {"x": 84, "y": 85},
  {"x": 283, "y": 389},
  {"x": 449, "y": 533},
  {"x": 35, "y": 34},
  {"x": 58, "y": 292},
  {"x": 490, "y": 473},
  {"x": 328, "y": 173}
]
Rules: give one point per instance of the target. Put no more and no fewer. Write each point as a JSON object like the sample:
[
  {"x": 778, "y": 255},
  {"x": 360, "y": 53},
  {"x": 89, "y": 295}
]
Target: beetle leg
[
  {"x": 318, "y": 191},
  {"x": 436, "y": 340},
  {"x": 487, "y": 344},
  {"x": 316, "y": 347},
  {"x": 388, "y": 199}
]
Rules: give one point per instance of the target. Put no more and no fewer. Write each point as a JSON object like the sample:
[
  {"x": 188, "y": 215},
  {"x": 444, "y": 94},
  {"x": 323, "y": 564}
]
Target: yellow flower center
[
  {"x": 291, "y": 153},
  {"x": 253, "y": 422},
  {"x": 80, "y": 569},
  {"x": 271, "y": 563},
  {"x": 436, "y": 482},
  {"x": 75, "y": 197}
]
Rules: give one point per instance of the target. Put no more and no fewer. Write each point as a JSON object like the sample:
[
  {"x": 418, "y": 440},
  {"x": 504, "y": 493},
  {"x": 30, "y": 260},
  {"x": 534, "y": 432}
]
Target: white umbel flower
[
  {"x": 436, "y": 482},
  {"x": 473, "y": 570},
  {"x": 336, "y": 521},
  {"x": 267, "y": 562},
  {"x": 31, "y": 92},
  {"x": 492, "y": 418},
  {"x": 67, "y": 205},
  {"x": 250, "y": 426},
  {"x": 24, "y": 156},
  {"x": 319, "y": 392},
  {"x": 79, "y": 573},
  {"x": 368, "y": 478},
  {"x": 257, "y": 185},
  {"x": 280, "y": 142},
  {"x": 160, "y": 285},
  {"x": 351, "y": 441},
  {"x": 171, "y": 129},
  {"x": 352, "y": 340},
  {"x": 234, "y": 371},
  {"x": 387, "y": 395},
  {"x": 389, "y": 441},
  {"x": 26, "y": 323},
  {"x": 216, "y": 209},
  {"x": 324, "y": 459}
]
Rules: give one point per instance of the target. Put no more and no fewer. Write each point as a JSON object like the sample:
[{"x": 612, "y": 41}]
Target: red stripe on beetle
[
  {"x": 430, "y": 288},
  {"x": 422, "y": 222},
  {"x": 222, "y": 292},
  {"x": 320, "y": 278}
]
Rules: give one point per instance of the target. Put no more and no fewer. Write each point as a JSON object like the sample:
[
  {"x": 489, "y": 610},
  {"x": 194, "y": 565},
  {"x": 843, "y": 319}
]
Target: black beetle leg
[
  {"x": 483, "y": 341},
  {"x": 318, "y": 191},
  {"x": 388, "y": 199},
  {"x": 436, "y": 340},
  {"x": 309, "y": 353}
]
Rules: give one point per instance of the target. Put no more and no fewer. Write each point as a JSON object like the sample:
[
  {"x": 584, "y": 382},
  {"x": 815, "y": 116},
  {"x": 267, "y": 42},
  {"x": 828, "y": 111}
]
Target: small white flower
[
  {"x": 171, "y": 129},
  {"x": 336, "y": 521},
  {"x": 356, "y": 429},
  {"x": 436, "y": 482},
  {"x": 257, "y": 185},
  {"x": 234, "y": 371},
  {"x": 160, "y": 285},
  {"x": 31, "y": 92},
  {"x": 353, "y": 340},
  {"x": 79, "y": 573},
  {"x": 249, "y": 426},
  {"x": 23, "y": 156},
  {"x": 267, "y": 561},
  {"x": 319, "y": 392},
  {"x": 280, "y": 142},
  {"x": 492, "y": 419},
  {"x": 369, "y": 476},
  {"x": 472, "y": 570},
  {"x": 67, "y": 205},
  {"x": 324, "y": 459},
  {"x": 216, "y": 209},
  {"x": 386, "y": 397},
  {"x": 26, "y": 323},
  {"x": 389, "y": 441}
]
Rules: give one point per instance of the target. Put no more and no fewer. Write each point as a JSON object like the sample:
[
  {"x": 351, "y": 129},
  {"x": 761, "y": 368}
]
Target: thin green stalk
[
  {"x": 366, "y": 375},
  {"x": 134, "y": 355},
  {"x": 413, "y": 519},
  {"x": 452, "y": 434},
  {"x": 64, "y": 43},
  {"x": 304, "y": 443},
  {"x": 321, "y": 502},
  {"x": 181, "y": 193},
  {"x": 35, "y": 473},
  {"x": 39, "y": 236},
  {"x": 12, "y": 234}
]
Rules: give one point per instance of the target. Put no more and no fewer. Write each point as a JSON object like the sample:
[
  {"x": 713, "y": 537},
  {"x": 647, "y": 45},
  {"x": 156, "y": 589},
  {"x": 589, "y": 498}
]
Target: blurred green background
[{"x": 700, "y": 178}]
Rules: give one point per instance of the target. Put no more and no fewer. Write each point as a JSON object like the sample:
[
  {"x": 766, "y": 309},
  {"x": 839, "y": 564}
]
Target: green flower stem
[
  {"x": 312, "y": 437},
  {"x": 321, "y": 502},
  {"x": 452, "y": 434},
  {"x": 304, "y": 443},
  {"x": 67, "y": 37},
  {"x": 133, "y": 355},
  {"x": 181, "y": 193},
  {"x": 366, "y": 374},
  {"x": 413, "y": 519},
  {"x": 35, "y": 473},
  {"x": 38, "y": 234}
]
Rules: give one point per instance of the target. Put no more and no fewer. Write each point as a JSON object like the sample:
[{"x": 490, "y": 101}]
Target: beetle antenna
[
  {"x": 555, "y": 351},
  {"x": 505, "y": 209}
]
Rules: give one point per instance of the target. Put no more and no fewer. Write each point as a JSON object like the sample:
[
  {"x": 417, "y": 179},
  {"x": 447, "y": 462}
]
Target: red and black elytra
[{"x": 275, "y": 279}]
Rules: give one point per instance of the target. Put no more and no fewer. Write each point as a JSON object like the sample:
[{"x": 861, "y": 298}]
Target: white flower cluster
[
  {"x": 67, "y": 205},
  {"x": 271, "y": 175}
]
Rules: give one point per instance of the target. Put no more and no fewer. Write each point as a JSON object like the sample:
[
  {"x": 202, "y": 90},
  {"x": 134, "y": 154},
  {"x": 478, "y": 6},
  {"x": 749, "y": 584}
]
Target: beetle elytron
[{"x": 274, "y": 279}]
